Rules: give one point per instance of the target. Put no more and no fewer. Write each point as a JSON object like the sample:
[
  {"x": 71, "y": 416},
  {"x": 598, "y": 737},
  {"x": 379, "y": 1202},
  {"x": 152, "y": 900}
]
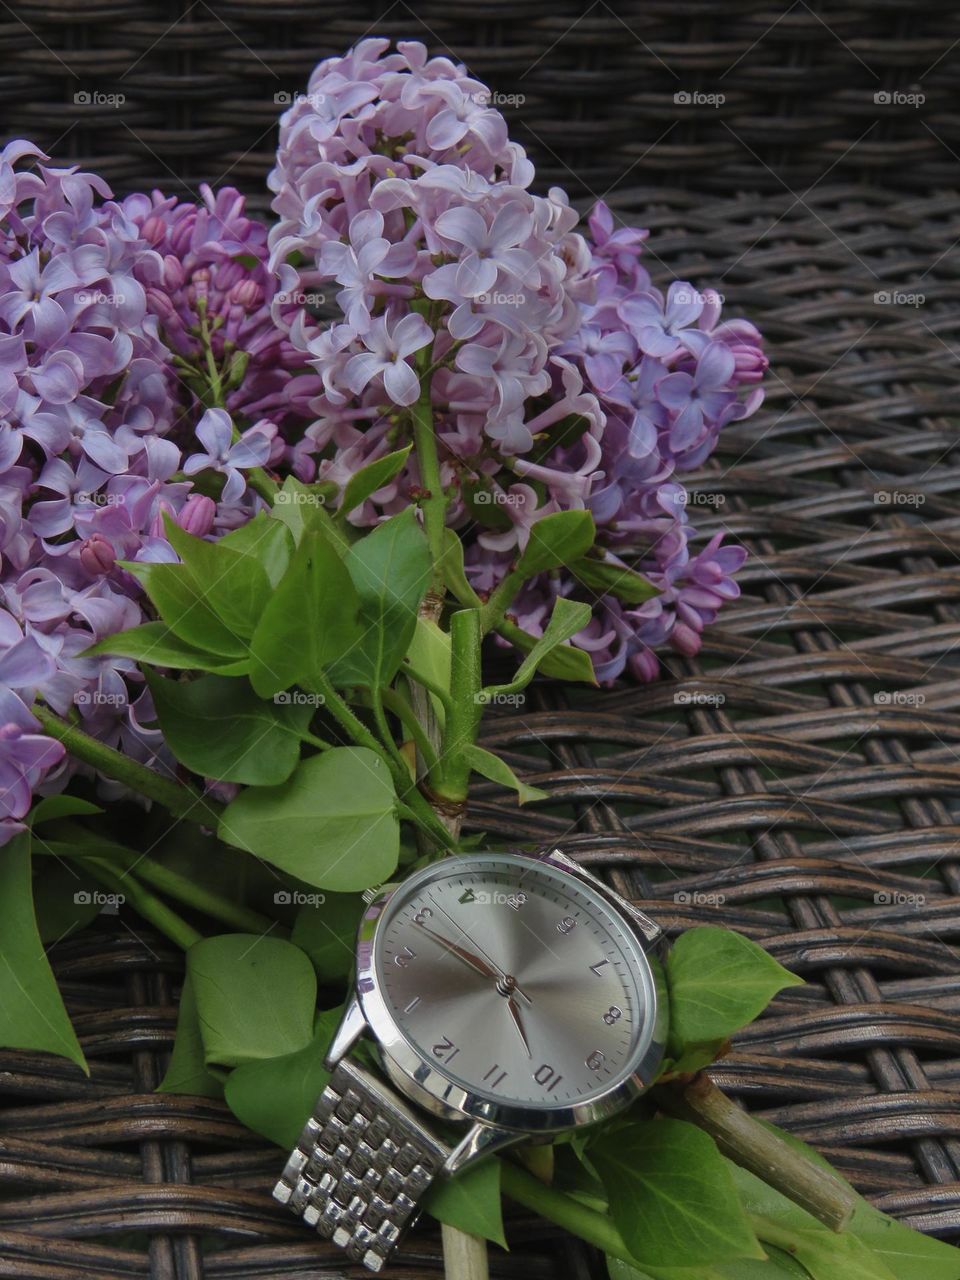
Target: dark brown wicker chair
[{"x": 799, "y": 780}]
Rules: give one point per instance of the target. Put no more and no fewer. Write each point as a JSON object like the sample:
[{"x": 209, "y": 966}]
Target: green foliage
[
  {"x": 219, "y": 728},
  {"x": 556, "y": 541},
  {"x": 718, "y": 982},
  {"x": 327, "y": 932},
  {"x": 188, "y": 1071},
  {"x": 609, "y": 577},
  {"x": 490, "y": 766},
  {"x": 332, "y": 824},
  {"x": 470, "y": 1202},
  {"x": 390, "y": 568},
  {"x": 310, "y": 620},
  {"x": 255, "y": 997},
  {"x": 32, "y": 1012},
  {"x": 672, "y": 1195},
  {"x": 371, "y": 478}
]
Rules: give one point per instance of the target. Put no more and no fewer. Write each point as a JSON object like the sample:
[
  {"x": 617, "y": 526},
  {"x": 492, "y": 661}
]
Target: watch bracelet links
[{"x": 361, "y": 1166}]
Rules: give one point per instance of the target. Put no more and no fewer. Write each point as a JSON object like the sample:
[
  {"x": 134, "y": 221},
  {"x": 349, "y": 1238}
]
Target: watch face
[{"x": 515, "y": 980}]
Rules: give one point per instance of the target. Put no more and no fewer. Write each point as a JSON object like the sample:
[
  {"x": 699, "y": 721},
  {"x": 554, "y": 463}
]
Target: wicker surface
[
  {"x": 790, "y": 782},
  {"x": 764, "y": 787},
  {"x": 597, "y": 83}
]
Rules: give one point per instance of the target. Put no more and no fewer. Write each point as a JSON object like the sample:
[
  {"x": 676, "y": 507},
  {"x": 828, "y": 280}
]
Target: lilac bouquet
[
  {"x": 560, "y": 377},
  {"x": 161, "y": 359}
]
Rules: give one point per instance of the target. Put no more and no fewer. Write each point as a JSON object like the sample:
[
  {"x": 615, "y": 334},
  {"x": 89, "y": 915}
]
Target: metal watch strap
[{"x": 361, "y": 1167}]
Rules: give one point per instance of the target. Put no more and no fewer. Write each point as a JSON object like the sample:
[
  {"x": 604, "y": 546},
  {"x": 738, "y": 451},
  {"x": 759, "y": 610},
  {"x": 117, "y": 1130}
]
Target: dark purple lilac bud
[
  {"x": 197, "y": 515},
  {"x": 97, "y": 555}
]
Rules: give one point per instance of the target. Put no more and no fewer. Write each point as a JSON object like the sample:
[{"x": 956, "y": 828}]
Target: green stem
[
  {"x": 493, "y": 612},
  {"x": 556, "y": 1206},
  {"x": 146, "y": 904},
  {"x": 433, "y": 504},
  {"x": 207, "y": 901},
  {"x": 182, "y": 801},
  {"x": 402, "y": 709},
  {"x": 452, "y": 774}
]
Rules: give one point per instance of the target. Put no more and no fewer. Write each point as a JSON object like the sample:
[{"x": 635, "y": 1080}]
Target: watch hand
[
  {"x": 496, "y": 970},
  {"x": 468, "y": 958},
  {"x": 514, "y": 1011}
]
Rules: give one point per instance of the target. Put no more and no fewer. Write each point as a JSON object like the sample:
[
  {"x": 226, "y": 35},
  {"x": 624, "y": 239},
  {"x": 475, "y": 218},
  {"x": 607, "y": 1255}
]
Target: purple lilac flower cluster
[
  {"x": 97, "y": 432},
  {"x": 557, "y": 376}
]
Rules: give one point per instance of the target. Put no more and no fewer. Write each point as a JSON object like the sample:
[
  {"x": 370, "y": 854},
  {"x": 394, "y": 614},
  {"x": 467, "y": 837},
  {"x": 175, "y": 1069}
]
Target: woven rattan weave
[{"x": 798, "y": 780}]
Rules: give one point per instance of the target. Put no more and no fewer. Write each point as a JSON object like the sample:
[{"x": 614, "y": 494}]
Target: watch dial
[{"x": 515, "y": 980}]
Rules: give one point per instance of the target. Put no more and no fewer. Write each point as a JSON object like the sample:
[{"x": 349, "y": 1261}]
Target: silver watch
[{"x": 509, "y": 997}]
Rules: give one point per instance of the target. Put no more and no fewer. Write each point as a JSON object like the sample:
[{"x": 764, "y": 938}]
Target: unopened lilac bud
[
  {"x": 197, "y": 515},
  {"x": 750, "y": 362},
  {"x": 172, "y": 272},
  {"x": 160, "y": 305},
  {"x": 154, "y": 229},
  {"x": 157, "y": 529},
  {"x": 246, "y": 293},
  {"x": 685, "y": 639},
  {"x": 97, "y": 555}
]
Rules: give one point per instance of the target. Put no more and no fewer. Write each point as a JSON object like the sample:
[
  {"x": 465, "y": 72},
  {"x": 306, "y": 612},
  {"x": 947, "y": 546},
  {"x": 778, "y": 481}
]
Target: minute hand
[{"x": 493, "y": 967}]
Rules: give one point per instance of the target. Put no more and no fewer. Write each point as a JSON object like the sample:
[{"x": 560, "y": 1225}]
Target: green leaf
[
  {"x": 390, "y": 568},
  {"x": 556, "y": 542},
  {"x": 64, "y": 897},
  {"x": 610, "y": 577},
  {"x": 275, "y": 1097},
  {"x": 371, "y": 478},
  {"x": 826, "y": 1254},
  {"x": 496, "y": 770},
  {"x": 671, "y": 1195},
  {"x": 909, "y": 1254},
  {"x": 333, "y": 824},
  {"x": 719, "y": 981},
  {"x": 568, "y": 617},
  {"x": 453, "y": 572},
  {"x": 61, "y": 806},
  {"x": 255, "y": 997},
  {"x": 235, "y": 584},
  {"x": 32, "y": 1013},
  {"x": 187, "y": 1072},
  {"x": 428, "y": 660},
  {"x": 310, "y": 620},
  {"x": 181, "y": 602},
  {"x": 470, "y": 1202},
  {"x": 327, "y": 932},
  {"x": 564, "y": 663},
  {"x": 155, "y": 643},
  {"x": 303, "y": 506},
  {"x": 269, "y": 541},
  {"x": 777, "y": 1265},
  {"x": 219, "y": 728}
]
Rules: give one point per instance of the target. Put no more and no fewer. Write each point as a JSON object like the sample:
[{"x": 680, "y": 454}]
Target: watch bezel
[{"x": 425, "y": 1083}]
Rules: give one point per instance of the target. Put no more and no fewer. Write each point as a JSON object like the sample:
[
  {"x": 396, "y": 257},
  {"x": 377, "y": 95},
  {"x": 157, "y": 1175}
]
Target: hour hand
[{"x": 461, "y": 953}]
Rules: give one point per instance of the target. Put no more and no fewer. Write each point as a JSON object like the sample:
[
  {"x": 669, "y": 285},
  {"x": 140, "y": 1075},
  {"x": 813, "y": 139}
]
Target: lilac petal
[
  {"x": 410, "y": 334},
  {"x": 445, "y": 130},
  {"x": 464, "y": 225},
  {"x": 60, "y": 378},
  {"x": 715, "y": 367},
  {"x": 476, "y": 360},
  {"x": 684, "y": 304},
  {"x": 251, "y": 450},
  {"x": 214, "y": 431},
  {"x": 675, "y": 390},
  {"x": 365, "y": 226},
  {"x": 11, "y": 446},
  {"x": 50, "y": 323},
  {"x": 654, "y": 342},
  {"x": 102, "y": 449},
  {"x": 476, "y": 276},
  {"x": 47, "y": 519},
  {"x": 25, "y": 665},
  {"x": 234, "y": 489},
  {"x": 360, "y": 369},
  {"x": 441, "y": 284},
  {"x": 687, "y": 428},
  {"x": 512, "y": 225},
  {"x": 401, "y": 383},
  {"x": 15, "y": 791},
  {"x": 602, "y": 370}
]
